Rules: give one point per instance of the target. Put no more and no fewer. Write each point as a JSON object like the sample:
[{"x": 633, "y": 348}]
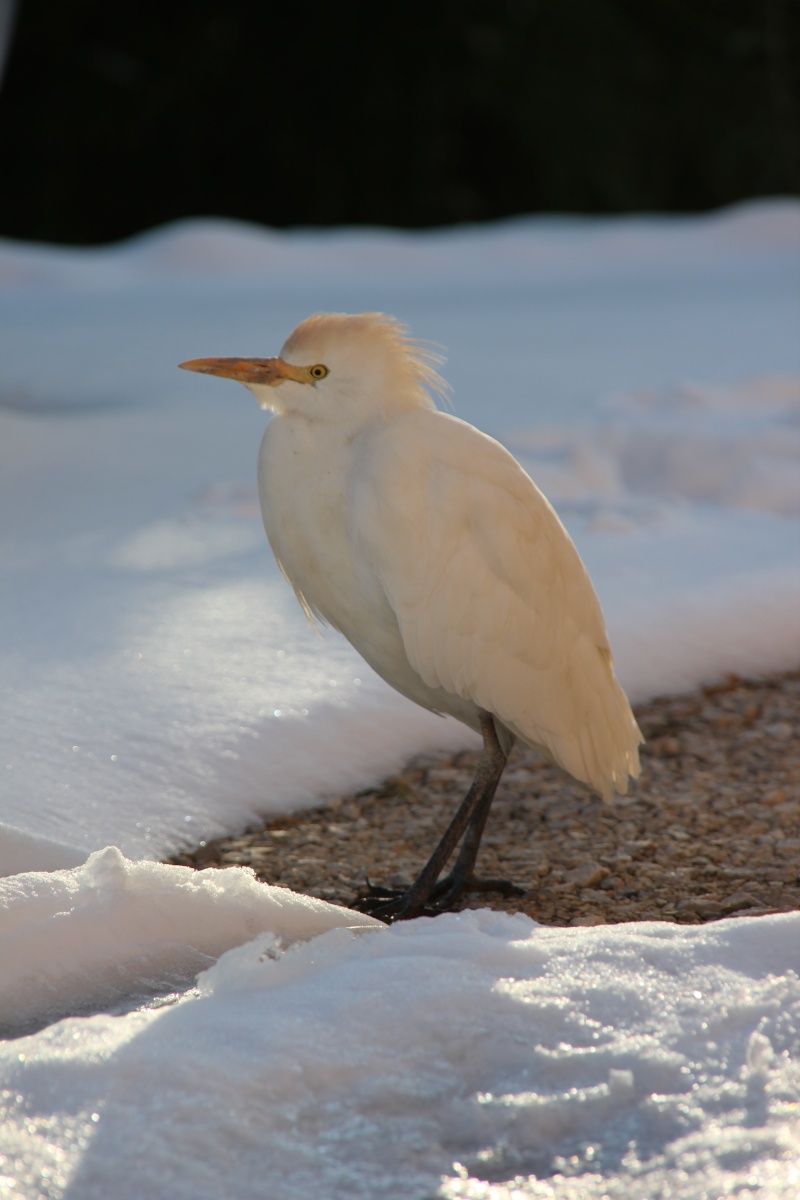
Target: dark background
[{"x": 117, "y": 116}]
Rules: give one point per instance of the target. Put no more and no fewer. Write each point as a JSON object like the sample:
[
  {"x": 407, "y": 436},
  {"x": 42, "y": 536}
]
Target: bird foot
[
  {"x": 390, "y": 904},
  {"x": 396, "y": 904}
]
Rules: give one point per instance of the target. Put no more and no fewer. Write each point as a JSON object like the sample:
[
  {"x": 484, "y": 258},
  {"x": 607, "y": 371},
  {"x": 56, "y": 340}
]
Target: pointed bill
[{"x": 268, "y": 371}]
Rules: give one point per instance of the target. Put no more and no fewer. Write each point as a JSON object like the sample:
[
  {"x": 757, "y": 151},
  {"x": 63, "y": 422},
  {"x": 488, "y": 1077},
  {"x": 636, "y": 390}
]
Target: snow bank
[
  {"x": 116, "y": 932},
  {"x": 442, "y": 1058},
  {"x": 551, "y": 248}
]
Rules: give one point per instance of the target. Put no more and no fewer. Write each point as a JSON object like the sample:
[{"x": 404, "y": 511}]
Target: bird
[{"x": 424, "y": 542}]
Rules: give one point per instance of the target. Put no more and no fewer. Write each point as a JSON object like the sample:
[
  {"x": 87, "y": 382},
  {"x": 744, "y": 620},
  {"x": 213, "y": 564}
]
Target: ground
[{"x": 711, "y": 829}]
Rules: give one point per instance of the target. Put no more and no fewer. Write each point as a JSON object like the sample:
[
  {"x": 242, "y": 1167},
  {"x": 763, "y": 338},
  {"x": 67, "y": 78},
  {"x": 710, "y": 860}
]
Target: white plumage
[{"x": 426, "y": 544}]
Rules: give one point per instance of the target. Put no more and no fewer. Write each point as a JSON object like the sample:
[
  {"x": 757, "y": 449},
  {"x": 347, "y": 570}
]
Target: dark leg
[
  {"x": 471, "y": 817},
  {"x": 462, "y": 877}
]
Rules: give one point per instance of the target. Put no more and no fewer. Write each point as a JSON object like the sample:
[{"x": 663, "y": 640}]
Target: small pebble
[{"x": 588, "y": 875}]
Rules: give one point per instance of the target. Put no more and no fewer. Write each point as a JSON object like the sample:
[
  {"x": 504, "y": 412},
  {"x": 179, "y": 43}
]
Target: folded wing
[{"x": 492, "y": 600}]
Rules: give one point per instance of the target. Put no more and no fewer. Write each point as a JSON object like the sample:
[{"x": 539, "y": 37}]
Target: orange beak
[{"x": 269, "y": 371}]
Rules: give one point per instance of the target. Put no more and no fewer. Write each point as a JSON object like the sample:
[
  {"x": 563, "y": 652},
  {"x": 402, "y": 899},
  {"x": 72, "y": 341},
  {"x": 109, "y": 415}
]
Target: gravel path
[{"x": 712, "y": 829}]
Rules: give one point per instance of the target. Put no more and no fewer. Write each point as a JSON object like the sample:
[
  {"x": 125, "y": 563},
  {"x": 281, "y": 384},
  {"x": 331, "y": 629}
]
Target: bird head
[{"x": 339, "y": 368}]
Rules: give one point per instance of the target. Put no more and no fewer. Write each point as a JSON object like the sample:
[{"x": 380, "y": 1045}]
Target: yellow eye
[{"x": 318, "y": 372}]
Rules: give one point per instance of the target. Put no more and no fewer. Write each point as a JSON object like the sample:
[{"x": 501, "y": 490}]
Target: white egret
[{"x": 425, "y": 543}]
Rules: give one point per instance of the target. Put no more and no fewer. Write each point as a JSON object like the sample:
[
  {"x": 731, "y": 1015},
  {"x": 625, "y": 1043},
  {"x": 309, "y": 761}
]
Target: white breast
[
  {"x": 308, "y": 488},
  {"x": 302, "y": 482}
]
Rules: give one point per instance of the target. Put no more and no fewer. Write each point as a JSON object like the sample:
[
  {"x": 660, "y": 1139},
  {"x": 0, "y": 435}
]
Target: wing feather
[{"x": 491, "y": 598}]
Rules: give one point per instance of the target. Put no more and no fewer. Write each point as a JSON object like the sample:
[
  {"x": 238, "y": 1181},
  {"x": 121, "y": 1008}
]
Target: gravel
[{"x": 711, "y": 830}]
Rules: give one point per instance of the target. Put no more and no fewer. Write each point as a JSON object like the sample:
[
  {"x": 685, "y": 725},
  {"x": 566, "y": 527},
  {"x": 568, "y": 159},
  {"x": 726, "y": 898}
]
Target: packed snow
[{"x": 160, "y": 686}]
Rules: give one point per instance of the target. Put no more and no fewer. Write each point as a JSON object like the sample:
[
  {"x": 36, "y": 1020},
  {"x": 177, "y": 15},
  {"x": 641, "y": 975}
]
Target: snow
[
  {"x": 435, "y": 1058},
  {"x": 112, "y": 927},
  {"x": 160, "y": 686}
]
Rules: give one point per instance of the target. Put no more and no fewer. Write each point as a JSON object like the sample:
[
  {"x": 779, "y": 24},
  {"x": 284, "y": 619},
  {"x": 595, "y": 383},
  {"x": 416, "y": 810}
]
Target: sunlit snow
[{"x": 160, "y": 686}]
